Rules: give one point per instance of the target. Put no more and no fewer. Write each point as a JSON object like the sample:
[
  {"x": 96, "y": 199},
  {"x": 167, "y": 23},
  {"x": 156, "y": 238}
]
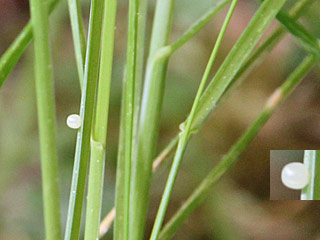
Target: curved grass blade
[
  {"x": 78, "y": 34},
  {"x": 46, "y": 119},
  {"x": 228, "y": 160},
  {"x": 185, "y": 134},
  {"x": 86, "y": 112},
  {"x": 312, "y": 161},
  {"x": 99, "y": 130},
  {"x": 11, "y": 56}
]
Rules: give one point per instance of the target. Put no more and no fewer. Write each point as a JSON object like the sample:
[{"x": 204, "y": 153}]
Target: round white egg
[
  {"x": 74, "y": 121},
  {"x": 295, "y": 175}
]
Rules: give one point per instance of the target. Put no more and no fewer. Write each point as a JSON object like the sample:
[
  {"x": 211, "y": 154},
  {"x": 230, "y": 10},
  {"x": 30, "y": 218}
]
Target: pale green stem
[
  {"x": 99, "y": 131},
  {"x": 46, "y": 119},
  {"x": 129, "y": 107},
  {"x": 121, "y": 199},
  {"x": 312, "y": 162}
]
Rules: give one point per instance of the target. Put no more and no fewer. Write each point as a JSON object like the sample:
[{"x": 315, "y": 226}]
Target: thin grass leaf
[
  {"x": 312, "y": 161},
  {"x": 46, "y": 119},
  {"x": 99, "y": 131},
  {"x": 78, "y": 34},
  {"x": 185, "y": 133},
  {"x": 11, "y": 56},
  {"x": 82, "y": 151},
  {"x": 149, "y": 123},
  {"x": 228, "y": 160}
]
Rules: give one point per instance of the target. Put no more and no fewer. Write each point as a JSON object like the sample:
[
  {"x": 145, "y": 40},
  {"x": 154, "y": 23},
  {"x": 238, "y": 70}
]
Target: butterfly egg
[
  {"x": 74, "y": 121},
  {"x": 295, "y": 175}
]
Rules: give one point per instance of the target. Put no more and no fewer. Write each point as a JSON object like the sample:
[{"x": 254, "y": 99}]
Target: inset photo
[{"x": 295, "y": 174}]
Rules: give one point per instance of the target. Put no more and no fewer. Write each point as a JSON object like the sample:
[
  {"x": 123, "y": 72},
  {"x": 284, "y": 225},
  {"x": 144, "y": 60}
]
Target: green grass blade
[
  {"x": 237, "y": 56},
  {"x": 120, "y": 177},
  {"x": 227, "y": 161},
  {"x": 306, "y": 39},
  {"x": 264, "y": 48},
  {"x": 141, "y": 29},
  {"x": 11, "y": 56},
  {"x": 149, "y": 122},
  {"x": 198, "y": 25},
  {"x": 46, "y": 118},
  {"x": 129, "y": 110},
  {"x": 86, "y": 112},
  {"x": 137, "y": 24},
  {"x": 312, "y": 161},
  {"x": 78, "y": 34},
  {"x": 185, "y": 133},
  {"x": 99, "y": 132}
]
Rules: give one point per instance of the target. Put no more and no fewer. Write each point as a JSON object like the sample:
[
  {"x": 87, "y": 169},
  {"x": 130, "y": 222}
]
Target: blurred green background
[{"x": 239, "y": 206}]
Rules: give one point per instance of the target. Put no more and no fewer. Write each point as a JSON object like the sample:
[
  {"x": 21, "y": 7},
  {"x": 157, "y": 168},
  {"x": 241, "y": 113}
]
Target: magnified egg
[
  {"x": 295, "y": 175},
  {"x": 74, "y": 121}
]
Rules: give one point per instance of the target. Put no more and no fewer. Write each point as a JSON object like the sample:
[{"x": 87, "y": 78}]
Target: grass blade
[
  {"x": 306, "y": 39},
  {"x": 99, "y": 132},
  {"x": 149, "y": 122},
  {"x": 128, "y": 117},
  {"x": 11, "y": 56},
  {"x": 86, "y": 112},
  {"x": 46, "y": 119},
  {"x": 312, "y": 161},
  {"x": 78, "y": 34},
  {"x": 120, "y": 178},
  {"x": 122, "y": 190},
  {"x": 227, "y": 161},
  {"x": 185, "y": 134},
  {"x": 236, "y": 58}
]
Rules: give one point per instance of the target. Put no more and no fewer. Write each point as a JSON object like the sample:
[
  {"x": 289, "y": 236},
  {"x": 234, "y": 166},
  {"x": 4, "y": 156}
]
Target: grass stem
[
  {"x": 88, "y": 96},
  {"x": 46, "y": 119},
  {"x": 99, "y": 131}
]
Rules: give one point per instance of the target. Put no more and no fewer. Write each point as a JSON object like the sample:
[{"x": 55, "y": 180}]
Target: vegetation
[{"x": 143, "y": 94}]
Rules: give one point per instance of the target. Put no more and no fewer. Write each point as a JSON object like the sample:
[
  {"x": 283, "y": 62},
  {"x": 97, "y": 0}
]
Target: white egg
[
  {"x": 74, "y": 121},
  {"x": 295, "y": 175}
]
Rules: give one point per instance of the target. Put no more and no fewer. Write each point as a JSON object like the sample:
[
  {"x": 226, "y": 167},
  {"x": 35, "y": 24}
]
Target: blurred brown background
[{"x": 239, "y": 206}]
